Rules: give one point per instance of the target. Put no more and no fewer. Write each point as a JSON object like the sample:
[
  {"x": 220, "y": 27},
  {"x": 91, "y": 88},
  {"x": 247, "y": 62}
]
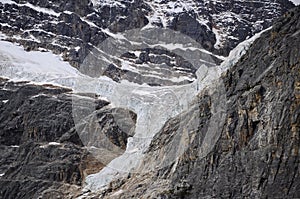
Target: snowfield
[{"x": 40, "y": 67}]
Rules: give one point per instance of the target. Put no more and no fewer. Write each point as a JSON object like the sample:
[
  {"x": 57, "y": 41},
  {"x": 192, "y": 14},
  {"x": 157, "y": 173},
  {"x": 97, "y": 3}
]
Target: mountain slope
[
  {"x": 246, "y": 149},
  {"x": 77, "y": 30},
  {"x": 257, "y": 153}
]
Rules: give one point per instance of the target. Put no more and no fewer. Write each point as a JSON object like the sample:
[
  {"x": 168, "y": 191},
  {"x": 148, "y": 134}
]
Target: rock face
[
  {"x": 42, "y": 156},
  {"x": 252, "y": 152},
  {"x": 257, "y": 152},
  {"x": 163, "y": 63},
  {"x": 74, "y": 28}
]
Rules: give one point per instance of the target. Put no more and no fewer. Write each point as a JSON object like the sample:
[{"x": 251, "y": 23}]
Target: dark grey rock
[{"x": 42, "y": 154}]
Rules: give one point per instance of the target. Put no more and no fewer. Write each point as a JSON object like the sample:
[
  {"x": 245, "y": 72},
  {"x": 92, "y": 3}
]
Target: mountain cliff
[
  {"x": 184, "y": 132},
  {"x": 257, "y": 152}
]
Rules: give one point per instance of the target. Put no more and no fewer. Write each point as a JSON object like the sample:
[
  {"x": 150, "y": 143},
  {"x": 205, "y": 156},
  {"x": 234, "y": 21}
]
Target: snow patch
[
  {"x": 110, "y": 3},
  {"x": 2, "y": 36},
  {"x": 77, "y": 48},
  {"x": 83, "y": 19},
  {"x": 54, "y": 143},
  {"x": 219, "y": 38},
  {"x": 19, "y": 65},
  {"x": 50, "y": 144},
  {"x": 29, "y": 5},
  {"x": 296, "y": 2}
]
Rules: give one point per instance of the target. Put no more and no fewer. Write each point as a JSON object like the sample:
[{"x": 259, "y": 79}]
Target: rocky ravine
[{"x": 257, "y": 153}]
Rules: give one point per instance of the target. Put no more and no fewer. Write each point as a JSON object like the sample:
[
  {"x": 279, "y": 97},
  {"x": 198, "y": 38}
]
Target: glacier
[{"x": 153, "y": 105}]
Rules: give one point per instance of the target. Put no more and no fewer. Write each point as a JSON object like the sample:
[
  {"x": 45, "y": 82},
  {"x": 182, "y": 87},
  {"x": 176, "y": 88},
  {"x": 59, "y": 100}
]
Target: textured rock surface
[
  {"x": 257, "y": 153},
  {"x": 41, "y": 153},
  {"x": 74, "y": 28}
]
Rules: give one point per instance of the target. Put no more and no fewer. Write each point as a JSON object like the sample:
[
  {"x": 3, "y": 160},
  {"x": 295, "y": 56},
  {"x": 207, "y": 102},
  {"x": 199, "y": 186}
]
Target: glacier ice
[{"x": 153, "y": 105}]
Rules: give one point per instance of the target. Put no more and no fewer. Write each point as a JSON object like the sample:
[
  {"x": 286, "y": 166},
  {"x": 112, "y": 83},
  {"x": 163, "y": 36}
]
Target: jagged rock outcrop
[
  {"x": 42, "y": 154},
  {"x": 257, "y": 153}
]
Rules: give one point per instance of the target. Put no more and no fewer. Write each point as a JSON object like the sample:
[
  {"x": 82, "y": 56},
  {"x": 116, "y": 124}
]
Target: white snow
[
  {"x": 89, "y": 22},
  {"x": 177, "y": 46},
  {"x": 2, "y": 36},
  {"x": 39, "y": 30},
  {"x": 7, "y": 2},
  {"x": 17, "y": 64},
  {"x": 113, "y": 35},
  {"x": 54, "y": 143},
  {"x": 127, "y": 66},
  {"x": 136, "y": 53},
  {"x": 109, "y": 3},
  {"x": 296, "y": 2},
  {"x": 5, "y": 24},
  {"x": 162, "y": 11},
  {"x": 36, "y": 8},
  {"x": 50, "y": 144},
  {"x": 219, "y": 38},
  {"x": 68, "y": 12},
  {"x": 40, "y": 9}
]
